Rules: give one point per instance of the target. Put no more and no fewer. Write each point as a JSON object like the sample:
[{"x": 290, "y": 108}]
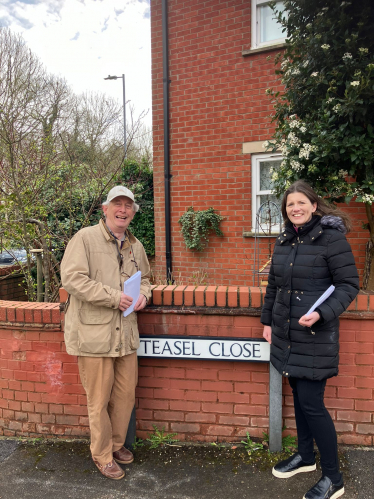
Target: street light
[{"x": 124, "y": 107}]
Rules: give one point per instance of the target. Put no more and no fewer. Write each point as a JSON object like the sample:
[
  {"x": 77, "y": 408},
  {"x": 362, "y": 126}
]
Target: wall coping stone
[
  {"x": 183, "y": 299},
  {"x": 29, "y": 314},
  {"x": 243, "y": 297}
]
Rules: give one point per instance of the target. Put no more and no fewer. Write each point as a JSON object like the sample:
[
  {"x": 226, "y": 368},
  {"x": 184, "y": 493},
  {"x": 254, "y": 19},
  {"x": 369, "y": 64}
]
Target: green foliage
[
  {"x": 68, "y": 200},
  {"x": 251, "y": 446},
  {"x": 159, "y": 437},
  {"x": 324, "y": 117},
  {"x": 288, "y": 442},
  {"x": 196, "y": 225},
  {"x": 137, "y": 444},
  {"x": 138, "y": 177}
]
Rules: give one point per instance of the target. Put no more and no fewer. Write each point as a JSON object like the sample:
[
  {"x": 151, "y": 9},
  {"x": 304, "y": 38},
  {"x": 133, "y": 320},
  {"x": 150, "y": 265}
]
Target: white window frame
[
  {"x": 255, "y": 42},
  {"x": 256, "y": 159}
]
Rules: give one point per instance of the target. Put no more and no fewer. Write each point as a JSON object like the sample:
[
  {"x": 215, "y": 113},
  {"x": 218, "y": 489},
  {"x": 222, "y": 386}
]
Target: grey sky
[{"x": 85, "y": 40}]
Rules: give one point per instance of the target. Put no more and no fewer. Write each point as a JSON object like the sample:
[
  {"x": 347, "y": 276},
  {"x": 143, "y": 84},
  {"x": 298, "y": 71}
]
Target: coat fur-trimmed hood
[
  {"x": 333, "y": 222},
  {"x": 327, "y": 222}
]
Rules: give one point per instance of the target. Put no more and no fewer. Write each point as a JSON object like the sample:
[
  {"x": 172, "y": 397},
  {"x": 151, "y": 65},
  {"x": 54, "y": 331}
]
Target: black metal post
[{"x": 167, "y": 176}]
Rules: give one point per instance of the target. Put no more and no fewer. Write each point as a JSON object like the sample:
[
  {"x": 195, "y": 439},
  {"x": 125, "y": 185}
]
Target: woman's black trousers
[{"x": 313, "y": 421}]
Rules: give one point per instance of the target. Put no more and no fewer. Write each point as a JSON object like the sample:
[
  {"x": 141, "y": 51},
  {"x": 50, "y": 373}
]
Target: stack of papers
[
  {"x": 321, "y": 299},
  {"x": 131, "y": 287}
]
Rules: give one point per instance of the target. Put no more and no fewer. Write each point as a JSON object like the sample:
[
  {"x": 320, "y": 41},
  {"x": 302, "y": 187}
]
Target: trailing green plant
[
  {"x": 159, "y": 437},
  {"x": 197, "y": 225},
  {"x": 324, "y": 114},
  {"x": 251, "y": 446}
]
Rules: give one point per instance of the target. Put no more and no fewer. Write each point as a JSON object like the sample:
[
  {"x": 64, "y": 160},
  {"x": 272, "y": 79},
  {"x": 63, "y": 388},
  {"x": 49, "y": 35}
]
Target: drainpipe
[{"x": 167, "y": 176}]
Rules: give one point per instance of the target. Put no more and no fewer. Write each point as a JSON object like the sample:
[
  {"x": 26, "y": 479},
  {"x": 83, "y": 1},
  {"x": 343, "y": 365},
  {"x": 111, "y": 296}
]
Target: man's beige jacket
[{"x": 90, "y": 272}]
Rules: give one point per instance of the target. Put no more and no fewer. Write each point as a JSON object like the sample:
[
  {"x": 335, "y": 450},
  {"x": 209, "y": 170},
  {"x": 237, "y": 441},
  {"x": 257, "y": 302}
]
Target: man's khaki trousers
[{"x": 110, "y": 384}]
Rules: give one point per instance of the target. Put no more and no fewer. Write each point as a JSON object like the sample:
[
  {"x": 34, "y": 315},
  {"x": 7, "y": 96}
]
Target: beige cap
[{"x": 120, "y": 190}]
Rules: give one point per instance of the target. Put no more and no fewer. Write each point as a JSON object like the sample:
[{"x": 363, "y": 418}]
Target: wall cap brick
[{"x": 181, "y": 299}]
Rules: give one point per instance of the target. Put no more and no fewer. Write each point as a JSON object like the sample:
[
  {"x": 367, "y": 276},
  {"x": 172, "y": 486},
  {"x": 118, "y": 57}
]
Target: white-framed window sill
[
  {"x": 266, "y": 48},
  {"x": 253, "y": 234}
]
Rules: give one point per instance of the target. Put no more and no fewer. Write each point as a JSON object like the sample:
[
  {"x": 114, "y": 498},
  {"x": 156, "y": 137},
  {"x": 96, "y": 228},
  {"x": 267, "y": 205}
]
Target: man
[{"x": 97, "y": 262}]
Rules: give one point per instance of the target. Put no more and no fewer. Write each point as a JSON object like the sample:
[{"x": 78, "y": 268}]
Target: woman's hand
[
  {"x": 267, "y": 333},
  {"x": 309, "y": 320}
]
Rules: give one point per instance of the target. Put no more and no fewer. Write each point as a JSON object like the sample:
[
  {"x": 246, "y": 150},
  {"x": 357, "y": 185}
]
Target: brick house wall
[
  {"x": 217, "y": 104},
  {"x": 41, "y": 394}
]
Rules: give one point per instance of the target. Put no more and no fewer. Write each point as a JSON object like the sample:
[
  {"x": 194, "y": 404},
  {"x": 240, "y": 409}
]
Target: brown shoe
[
  {"x": 123, "y": 456},
  {"x": 111, "y": 470}
]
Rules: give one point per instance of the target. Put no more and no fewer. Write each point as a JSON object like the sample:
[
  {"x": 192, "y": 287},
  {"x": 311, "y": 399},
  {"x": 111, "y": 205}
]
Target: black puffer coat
[{"x": 304, "y": 265}]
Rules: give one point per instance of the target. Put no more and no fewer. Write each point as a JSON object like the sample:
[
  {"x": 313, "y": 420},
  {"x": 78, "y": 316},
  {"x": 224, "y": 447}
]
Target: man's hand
[
  {"x": 125, "y": 302},
  {"x": 141, "y": 303},
  {"x": 267, "y": 333},
  {"x": 309, "y": 320}
]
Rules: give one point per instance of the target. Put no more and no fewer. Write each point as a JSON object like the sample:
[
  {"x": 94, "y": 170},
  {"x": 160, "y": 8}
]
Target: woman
[{"x": 310, "y": 254}]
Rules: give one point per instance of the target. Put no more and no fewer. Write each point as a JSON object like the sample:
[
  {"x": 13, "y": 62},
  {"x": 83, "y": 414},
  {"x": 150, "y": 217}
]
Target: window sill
[
  {"x": 253, "y": 234},
  {"x": 267, "y": 48}
]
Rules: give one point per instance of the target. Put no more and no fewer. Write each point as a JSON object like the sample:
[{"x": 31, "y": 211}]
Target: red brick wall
[
  {"x": 40, "y": 390},
  {"x": 11, "y": 284},
  {"x": 217, "y": 102},
  {"x": 41, "y": 394}
]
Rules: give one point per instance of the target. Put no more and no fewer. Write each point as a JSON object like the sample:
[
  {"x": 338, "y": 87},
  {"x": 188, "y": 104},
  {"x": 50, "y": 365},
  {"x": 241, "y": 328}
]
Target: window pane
[
  {"x": 269, "y": 217},
  {"x": 269, "y": 28},
  {"x": 266, "y": 168}
]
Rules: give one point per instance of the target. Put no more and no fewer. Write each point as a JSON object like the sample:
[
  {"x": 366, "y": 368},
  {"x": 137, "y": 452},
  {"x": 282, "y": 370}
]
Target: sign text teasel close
[{"x": 205, "y": 348}]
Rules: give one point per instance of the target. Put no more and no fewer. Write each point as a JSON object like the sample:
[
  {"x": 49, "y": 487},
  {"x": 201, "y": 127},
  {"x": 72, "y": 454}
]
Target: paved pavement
[{"x": 62, "y": 470}]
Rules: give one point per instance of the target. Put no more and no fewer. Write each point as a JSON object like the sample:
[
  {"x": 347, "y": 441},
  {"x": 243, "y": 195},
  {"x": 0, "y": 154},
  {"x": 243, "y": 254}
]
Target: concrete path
[{"x": 63, "y": 470}]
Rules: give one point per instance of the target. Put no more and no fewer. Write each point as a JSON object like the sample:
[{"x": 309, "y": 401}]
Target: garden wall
[
  {"x": 41, "y": 394},
  {"x": 12, "y": 286}
]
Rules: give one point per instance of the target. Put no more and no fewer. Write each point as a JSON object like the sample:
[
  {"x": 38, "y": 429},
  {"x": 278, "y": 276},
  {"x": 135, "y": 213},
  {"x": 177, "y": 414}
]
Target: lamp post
[{"x": 124, "y": 107}]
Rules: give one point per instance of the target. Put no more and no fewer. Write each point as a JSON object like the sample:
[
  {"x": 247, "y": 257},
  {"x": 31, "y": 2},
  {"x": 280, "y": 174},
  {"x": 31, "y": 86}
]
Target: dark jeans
[{"x": 313, "y": 421}]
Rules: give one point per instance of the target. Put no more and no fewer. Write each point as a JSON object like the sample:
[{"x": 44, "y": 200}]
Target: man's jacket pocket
[{"x": 94, "y": 330}]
